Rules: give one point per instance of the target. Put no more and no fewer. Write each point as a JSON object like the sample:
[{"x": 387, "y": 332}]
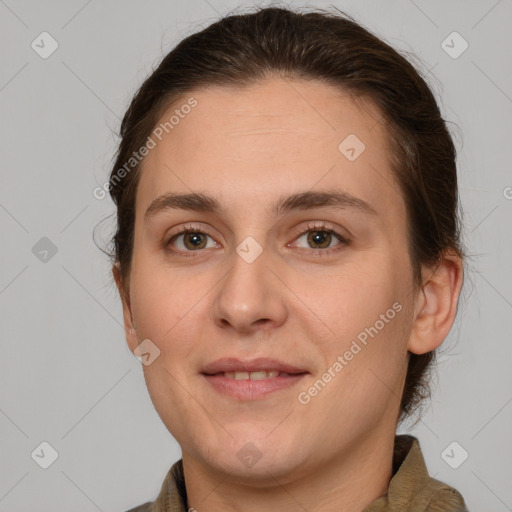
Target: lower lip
[{"x": 251, "y": 389}]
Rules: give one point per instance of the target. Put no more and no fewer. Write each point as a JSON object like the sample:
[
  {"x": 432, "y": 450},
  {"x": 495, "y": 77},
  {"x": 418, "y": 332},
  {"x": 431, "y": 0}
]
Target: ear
[
  {"x": 436, "y": 304},
  {"x": 129, "y": 328}
]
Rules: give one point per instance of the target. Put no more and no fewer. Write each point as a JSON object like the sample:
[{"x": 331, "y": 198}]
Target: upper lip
[{"x": 232, "y": 364}]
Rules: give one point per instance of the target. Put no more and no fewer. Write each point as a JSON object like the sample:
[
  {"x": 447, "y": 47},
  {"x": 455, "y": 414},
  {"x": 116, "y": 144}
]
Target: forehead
[{"x": 248, "y": 146}]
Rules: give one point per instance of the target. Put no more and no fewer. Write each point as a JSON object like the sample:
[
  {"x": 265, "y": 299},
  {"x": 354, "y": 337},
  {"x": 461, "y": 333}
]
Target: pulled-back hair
[{"x": 241, "y": 49}]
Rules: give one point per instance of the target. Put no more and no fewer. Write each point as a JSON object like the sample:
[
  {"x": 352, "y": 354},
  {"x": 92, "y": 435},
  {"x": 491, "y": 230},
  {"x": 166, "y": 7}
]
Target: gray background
[{"x": 66, "y": 374}]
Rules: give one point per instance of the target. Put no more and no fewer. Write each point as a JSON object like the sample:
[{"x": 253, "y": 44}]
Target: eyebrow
[{"x": 201, "y": 202}]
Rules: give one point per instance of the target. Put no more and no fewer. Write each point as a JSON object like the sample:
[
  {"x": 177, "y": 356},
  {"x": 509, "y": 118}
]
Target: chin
[
  {"x": 256, "y": 457},
  {"x": 253, "y": 469}
]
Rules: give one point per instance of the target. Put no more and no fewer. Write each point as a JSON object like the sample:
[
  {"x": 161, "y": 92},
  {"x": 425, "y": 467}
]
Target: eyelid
[
  {"x": 184, "y": 229},
  {"x": 190, "y": 227},
  {"x": 322, "y": 226}
]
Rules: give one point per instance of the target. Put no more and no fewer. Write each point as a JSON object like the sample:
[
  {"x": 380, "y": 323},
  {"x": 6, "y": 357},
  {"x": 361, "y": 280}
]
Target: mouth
[
  {"x": 257, "y": 375},
  {"x": 251, "y": 380}
]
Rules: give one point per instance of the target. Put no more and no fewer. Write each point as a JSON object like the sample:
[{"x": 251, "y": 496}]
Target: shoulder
[
  {"x": 172, "y": 496},
  {"x": 412, "y": 485},
  {"x": 445, "y": 498}
]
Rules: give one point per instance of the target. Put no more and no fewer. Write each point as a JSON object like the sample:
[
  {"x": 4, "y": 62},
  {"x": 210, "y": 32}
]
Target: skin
[{"x": 248, "y": 147}]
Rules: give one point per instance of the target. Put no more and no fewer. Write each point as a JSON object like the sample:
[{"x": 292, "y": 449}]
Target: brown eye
[
  {"x": 194, "y": 241},
  {"x": 320, "y": 238},
  {"x": 189, "y": 240}
]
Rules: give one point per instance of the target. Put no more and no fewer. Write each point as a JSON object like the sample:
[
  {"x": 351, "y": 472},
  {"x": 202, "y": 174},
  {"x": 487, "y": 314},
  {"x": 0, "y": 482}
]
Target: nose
[{"x": 250, "y": 297}]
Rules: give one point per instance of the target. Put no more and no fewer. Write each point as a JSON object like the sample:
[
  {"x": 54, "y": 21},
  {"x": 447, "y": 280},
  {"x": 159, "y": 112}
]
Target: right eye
[{"x": 190, "y": 240}]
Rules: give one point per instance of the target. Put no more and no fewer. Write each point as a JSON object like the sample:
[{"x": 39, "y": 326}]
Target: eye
[
  {"x": 190, "y": 239},
  {"x": 321, "y": 235}
]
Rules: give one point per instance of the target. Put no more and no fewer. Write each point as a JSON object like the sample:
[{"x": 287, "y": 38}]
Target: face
[{"x": 302, "y": 269}]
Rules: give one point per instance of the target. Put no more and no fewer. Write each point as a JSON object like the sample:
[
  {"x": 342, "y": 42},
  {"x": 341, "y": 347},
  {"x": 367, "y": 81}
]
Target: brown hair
[{"x": 240, "y": 49}]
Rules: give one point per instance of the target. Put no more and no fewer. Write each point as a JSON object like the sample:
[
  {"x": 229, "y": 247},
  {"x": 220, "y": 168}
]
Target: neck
[{"x": 349, "y": 481}]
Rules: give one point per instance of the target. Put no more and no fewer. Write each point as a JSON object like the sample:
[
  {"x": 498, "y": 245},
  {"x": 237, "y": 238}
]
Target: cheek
[
  {"x": 364, "y": 309},
  {"x": 364, "y": 364},
  {"x": 157, "y": 298},
  {"x": 352, "y": 297},
  {"x": 168, "y": 308},
  {"x": 156, "y": 309}
]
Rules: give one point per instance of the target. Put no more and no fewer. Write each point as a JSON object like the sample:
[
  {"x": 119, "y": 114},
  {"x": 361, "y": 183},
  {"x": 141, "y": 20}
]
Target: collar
[{"x": 411, "y": 488}]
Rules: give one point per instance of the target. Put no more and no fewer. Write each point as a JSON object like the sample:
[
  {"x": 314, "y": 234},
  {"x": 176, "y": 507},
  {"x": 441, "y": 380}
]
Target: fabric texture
[{"x": 411, "y": 488}]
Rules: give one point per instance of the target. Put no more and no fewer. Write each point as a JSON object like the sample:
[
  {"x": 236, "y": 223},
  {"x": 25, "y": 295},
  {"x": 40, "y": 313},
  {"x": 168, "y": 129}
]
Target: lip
[
  {"x": 251, "y": 389},
  {"x": 232, "y": 364}
]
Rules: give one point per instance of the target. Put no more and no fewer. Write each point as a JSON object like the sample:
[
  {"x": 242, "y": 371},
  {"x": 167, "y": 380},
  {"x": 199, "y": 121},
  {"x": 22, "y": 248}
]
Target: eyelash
[{"x": 322, "y": 227}]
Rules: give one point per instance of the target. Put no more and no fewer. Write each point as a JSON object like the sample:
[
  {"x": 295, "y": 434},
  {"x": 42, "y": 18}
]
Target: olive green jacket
[{"x": 411, "y": 489}]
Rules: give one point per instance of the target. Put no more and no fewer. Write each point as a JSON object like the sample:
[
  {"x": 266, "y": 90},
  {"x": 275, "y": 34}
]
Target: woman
[{"x": 288, "y": 257}]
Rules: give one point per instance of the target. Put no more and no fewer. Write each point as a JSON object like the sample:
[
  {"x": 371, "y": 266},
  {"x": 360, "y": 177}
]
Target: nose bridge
[{"x": 250, "y": 294}]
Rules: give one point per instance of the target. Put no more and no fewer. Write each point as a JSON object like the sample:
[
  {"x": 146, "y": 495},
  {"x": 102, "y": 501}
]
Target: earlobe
[
  {"x": 436, "y": 305},
  {"x": 129, "y": 325}
]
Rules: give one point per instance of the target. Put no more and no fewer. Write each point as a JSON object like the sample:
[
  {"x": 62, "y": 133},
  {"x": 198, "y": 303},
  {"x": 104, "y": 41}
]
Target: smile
[{"x": 248, "y": 386}]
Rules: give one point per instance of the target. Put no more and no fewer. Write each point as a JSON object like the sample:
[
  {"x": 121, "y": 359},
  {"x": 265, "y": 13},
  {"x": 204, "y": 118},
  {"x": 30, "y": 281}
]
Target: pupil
[
  {"x": 319, "y": 237},
  {"x": 193, "y": 240}
]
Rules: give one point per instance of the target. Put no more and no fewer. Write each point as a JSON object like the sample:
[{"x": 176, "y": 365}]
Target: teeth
[{"x": 260, "y": 375}]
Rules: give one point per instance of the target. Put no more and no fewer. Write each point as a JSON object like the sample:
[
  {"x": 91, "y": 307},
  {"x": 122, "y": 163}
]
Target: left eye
[{"x": 322, "y": 238}]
